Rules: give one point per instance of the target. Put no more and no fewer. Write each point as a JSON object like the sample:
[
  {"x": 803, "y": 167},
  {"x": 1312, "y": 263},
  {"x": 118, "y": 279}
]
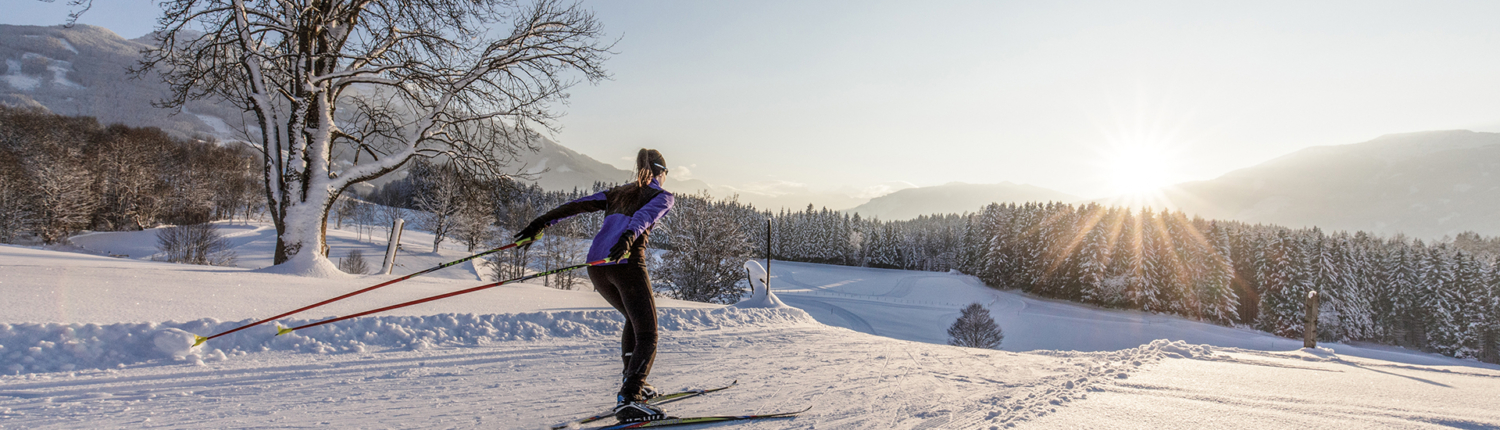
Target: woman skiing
[{"x": 630, "y": 211}]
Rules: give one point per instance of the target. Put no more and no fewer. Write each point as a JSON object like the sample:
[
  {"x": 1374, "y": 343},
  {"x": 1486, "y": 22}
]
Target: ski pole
[
  {"x": 198, "y": 340},
  {"x": 280, "y": 330}
]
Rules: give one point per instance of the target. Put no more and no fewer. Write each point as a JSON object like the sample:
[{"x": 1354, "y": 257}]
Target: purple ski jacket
[{"x": 626, "y": 208}]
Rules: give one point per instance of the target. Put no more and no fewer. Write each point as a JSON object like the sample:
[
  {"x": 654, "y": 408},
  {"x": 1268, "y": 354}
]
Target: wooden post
[
  {"x": 391, "y": 245},
  {"x": 768, "y": 255},
  {"x": 1310, "y": 327}
]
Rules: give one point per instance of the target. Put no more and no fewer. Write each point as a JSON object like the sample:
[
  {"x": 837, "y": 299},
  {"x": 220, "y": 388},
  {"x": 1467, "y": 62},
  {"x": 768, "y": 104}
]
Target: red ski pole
[
  {"x": 280, "y": 331},
  {"x": 198, "y": 340}
]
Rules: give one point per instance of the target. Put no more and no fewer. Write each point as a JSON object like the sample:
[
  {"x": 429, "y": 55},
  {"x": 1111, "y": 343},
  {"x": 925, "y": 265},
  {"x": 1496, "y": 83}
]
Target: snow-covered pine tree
[
  {"x": 1491, "y": 342},
  {"x": 1093, "y": 257},
  {"x": 1471, "y": 295},
  {"x": 1188, "y": 246},
  {"x": 1437, "y": 307},
  {"x": 1357, "y": 317},
  {"x": 999, "y": 264},
  {"x": 1280, "y": 301},
  {"x": 1219, "y": 301},
  {"x": 1326, "y": 264},
  {"x": 1248, "y": 247},
  {"x": 975, "y": 328},
  {"x": 1124, "y": 274},
  {"x": 1392, "y": 294},
  {"x": 1157, "y": 265}
]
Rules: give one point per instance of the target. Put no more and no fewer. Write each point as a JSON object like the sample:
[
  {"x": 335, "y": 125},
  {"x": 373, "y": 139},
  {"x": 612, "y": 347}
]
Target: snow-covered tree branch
[{"x": 389, "y": 80}]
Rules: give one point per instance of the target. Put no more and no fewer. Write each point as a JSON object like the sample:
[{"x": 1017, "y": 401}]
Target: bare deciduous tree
[
  {"x": 64, "y": 199},
  {"x": 15, "y": 198},
  {"x": 354, "y": 263},
  {"x": 440, "y": 195},
  {"x": 975, "y": 328},
  {"x": 195, "y": 244},
  {"x": 390, "y": 80},
  {"x": 565, "y": 244},
  {"x": 473, "y": 225}
]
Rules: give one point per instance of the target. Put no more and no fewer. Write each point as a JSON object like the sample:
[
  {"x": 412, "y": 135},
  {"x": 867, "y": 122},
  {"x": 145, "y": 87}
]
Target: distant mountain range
[
  {"x": 953, "y": 197},
  {"x": 1425, "y": 185},
  {"x": 560, "y": 168},
  {"x": 82, "y": 71}
]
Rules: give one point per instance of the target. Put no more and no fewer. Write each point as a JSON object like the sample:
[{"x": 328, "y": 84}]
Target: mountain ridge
[
  {"x": 1423, "y": 184},
  {"x": 953, "y": 197}
]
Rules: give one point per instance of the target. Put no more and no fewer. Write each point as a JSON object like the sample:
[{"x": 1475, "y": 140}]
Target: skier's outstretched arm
[{"x": 590, "y": 203}]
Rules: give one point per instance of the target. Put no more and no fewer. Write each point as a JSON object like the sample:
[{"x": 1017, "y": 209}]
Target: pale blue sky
[{"x": 842, "y": 96}]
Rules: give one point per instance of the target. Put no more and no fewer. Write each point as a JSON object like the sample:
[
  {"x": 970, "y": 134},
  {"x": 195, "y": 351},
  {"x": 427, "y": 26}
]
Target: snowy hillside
[
  {"x": 82, "y": 70},
  {"x": 100, "y": 342}
]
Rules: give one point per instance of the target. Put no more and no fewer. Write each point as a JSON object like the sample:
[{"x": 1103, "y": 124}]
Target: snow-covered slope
[
  {"x": 99, "y": 342},
  {"x": 83, "y": 70}
]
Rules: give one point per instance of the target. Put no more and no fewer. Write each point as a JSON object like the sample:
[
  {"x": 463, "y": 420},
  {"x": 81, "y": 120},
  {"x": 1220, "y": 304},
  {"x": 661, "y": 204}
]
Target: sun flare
[{"x": 1135, "y": 169}]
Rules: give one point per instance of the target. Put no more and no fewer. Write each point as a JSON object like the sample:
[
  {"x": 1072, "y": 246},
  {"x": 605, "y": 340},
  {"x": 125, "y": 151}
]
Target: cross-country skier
[{"x": 630, "y": 211}]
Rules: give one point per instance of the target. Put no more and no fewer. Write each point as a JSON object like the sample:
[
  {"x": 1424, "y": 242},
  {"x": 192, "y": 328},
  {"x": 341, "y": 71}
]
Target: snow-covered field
[{"x": 99, "y": 342}]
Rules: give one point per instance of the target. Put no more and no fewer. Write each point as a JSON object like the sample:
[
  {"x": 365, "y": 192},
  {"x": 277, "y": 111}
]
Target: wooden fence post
[
  {"x": 1310, "y": 327},
  {"x": 391, "y": 245}
]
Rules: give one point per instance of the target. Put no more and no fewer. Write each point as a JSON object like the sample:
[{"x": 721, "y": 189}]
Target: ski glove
[
  {"x": 622, "y": 246},
  {"x": 532, "y": 231}
]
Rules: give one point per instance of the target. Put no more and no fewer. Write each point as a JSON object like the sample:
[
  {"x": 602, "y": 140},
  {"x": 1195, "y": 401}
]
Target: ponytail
[{"x": 649, "y": 164}]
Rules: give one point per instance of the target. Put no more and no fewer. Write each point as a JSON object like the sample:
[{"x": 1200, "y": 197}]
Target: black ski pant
[{"x": 627, "y": 287}]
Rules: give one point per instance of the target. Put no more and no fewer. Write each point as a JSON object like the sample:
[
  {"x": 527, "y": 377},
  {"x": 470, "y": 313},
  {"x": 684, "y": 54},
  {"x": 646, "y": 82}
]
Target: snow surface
[
  {"x": 100, "y": 342},
  {"x": 16, "y": 79}
]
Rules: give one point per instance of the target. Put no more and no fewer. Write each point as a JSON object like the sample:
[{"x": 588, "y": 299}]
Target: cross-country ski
[
  {"x": 657, "y": 401},
  {"x": 675, "y": 421}
]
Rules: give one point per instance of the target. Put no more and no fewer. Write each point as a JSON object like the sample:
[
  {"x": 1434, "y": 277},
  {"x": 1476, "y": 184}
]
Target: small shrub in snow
[
  {"x": 354, "y": 263},
  {"x": 194, "y": 244},
  {"x": 975, "y": 329}
]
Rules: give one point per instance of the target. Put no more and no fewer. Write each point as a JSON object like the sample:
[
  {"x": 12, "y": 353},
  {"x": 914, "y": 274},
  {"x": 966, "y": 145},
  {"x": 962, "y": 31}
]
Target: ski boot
[{"x": 629, "y": 410}]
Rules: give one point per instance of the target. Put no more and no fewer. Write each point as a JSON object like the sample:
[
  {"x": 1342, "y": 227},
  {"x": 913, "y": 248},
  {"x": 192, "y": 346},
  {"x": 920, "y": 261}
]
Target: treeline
[
  {"x": 1442, "y": 296},
  {"x": 60, "y": 175}
]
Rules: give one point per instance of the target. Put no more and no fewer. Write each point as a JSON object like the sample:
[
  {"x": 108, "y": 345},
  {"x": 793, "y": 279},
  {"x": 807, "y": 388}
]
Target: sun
[
  {"x": 1138, "y": 168},
  {"x": 1142, "y": 150},
  {"x": 1135, "y": 168}
]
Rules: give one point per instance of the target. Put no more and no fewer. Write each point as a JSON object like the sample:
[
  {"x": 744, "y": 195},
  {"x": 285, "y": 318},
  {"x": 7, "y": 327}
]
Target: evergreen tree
[
  {"x": 1220, "y": 303},
  {"x": 1283, "y": 297},
  {"x": 1092, "y": 259},
  {"x": 1157, "y": 266},
  {"x": 1358, "y": 314},
  {"x": 1470, "y": 297}
]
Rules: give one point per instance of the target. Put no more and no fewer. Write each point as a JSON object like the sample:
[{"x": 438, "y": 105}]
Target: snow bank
[
  {"x": 36, "y": 348},
  {"x": 760, "y": 296},
  {"x": 312, "y": 267}
]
